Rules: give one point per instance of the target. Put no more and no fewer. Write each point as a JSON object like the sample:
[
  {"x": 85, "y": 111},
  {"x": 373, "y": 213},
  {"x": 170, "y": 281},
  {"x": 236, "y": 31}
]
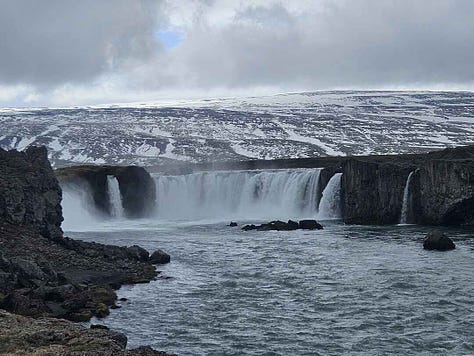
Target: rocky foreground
[
  {"x": 44, "y": 274},
  {"x": 21, "y": 335}
]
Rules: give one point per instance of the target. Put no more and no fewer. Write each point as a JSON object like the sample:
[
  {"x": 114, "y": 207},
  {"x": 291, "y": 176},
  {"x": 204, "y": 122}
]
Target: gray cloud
[
  {"x": 347, "y": 43},
  {"x": 109, "y": 47},
  {"x": 56, "y": 41}
]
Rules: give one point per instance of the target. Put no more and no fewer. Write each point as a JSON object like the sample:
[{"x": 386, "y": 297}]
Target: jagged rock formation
[
  {"x": 29, "y": 192},
  {"x": 137, "y": 188},
  {"x": 43, "y": 273}
]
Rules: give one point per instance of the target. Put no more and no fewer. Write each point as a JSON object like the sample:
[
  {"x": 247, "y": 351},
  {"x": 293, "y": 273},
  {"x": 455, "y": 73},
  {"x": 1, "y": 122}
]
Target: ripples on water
[{"x": 343, "y": 290}]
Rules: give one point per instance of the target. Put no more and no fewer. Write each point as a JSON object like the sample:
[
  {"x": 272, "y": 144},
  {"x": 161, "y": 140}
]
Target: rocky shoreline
[{"x": 45, "y": 274}]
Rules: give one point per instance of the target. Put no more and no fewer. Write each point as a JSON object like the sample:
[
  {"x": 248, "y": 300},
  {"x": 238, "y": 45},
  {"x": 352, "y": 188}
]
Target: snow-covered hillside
[{"x": 280, "y": 126}]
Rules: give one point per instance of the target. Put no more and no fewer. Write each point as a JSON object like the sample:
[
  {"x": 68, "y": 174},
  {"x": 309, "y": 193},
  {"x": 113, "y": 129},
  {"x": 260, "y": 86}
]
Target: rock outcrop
[
  {"x": 43, "y": 273},
  {"x": 21, "y": 335},
  {"x": 446, "y": 192},
  {"x": 137, "y": 188},
  {"x": 291, "y": 225},
  {"x": 29, "y": 191},
  {"x": 159, "y": 257},
  {"x": 372, "y": 192},
  {"x": 441, "y": 190}
]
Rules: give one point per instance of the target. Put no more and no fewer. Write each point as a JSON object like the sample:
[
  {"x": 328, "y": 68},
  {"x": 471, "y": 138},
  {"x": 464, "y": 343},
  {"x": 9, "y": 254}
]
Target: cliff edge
[{"x": 43, "y": 273}]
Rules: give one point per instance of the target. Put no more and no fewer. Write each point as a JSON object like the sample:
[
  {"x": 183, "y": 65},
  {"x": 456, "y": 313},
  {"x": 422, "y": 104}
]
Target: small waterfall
[
  {"x": 230, "y": 195},
  {"x": 330, "y": 205},
  {"x": 404, "y": 216},
  {"x": 115, "y": 198}
]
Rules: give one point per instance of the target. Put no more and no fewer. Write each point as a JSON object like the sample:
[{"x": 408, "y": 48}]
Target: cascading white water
[
  {"x": 406, "y": 200},
  {"x": 269, "y": 194},
  {"x": 330, "y": 205},
  {"x": 115, "y": 198},
  {"x": 78, "y": 208}
]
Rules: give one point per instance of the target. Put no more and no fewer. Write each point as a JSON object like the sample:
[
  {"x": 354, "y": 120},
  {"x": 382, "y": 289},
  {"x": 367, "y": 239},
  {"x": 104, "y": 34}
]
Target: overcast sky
[{"x": 69, "y": 52}]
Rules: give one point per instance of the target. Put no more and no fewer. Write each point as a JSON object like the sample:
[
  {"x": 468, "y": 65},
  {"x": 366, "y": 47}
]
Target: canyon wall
[{"x": 441, "y": 191}]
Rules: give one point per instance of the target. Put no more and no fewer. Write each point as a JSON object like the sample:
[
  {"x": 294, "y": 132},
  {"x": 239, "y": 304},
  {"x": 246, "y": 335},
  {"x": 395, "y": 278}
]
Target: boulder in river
[
  {"x": 436, "y": 240},
  {"x": 310, "y": 225},
  {"x": 279, "y": 225},
  {"x": 159, "y": 257},
  {"x": 233, "y": 224}
]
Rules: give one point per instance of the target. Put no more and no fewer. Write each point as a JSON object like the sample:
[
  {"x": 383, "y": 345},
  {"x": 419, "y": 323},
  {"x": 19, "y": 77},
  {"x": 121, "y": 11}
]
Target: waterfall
[
  {"x": 113, "y": 189},
  {"x": 78, "y": 207},
  {"x": 231, "y": 195},
  {"x": 404, "y": 216},
  {"x": 330, "y": 205}
]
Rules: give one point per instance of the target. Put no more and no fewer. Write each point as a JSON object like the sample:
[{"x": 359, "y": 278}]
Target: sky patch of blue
[{"x": 169, "y": 38}]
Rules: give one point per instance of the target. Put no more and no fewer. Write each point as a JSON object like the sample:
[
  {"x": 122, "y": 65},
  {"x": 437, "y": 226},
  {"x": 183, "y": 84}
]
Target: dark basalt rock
[
  {"x": 29, "y": 191},
  {"x": 309, "y": 225},
  {"x": 278, "y": 225},
  {"x": 137, "y": 187},
  {"x": 441, "y": 190},
  {"x": 159, "y": 257},
  {"x": 292, "y": 225},
  {"x": 137, "y": 253},
  {"x": 436, "y": 240},
  {"x": 233, "y": 224},
  {"x": 43, "y": 273}
]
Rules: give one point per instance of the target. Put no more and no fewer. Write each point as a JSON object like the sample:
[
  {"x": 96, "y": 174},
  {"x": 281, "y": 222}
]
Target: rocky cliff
[
  {"x": 441, "y": 191},
  {"x": 372, "y": 192},
  {"x": 446, "y": 192},
  {"x": 42, "y": 272},
  {"x": 137, "y": 188},
  {"x": 29, "y": 191}
]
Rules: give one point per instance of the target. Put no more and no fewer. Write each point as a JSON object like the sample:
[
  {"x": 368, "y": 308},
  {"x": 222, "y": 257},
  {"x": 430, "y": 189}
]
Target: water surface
[{"x": 349, "y": 290}]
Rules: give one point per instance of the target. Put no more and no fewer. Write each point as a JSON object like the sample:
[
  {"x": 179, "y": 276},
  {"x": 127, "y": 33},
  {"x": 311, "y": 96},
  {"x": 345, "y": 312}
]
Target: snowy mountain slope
[{"x": 280, "y": 126}]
